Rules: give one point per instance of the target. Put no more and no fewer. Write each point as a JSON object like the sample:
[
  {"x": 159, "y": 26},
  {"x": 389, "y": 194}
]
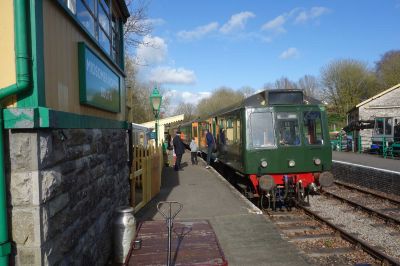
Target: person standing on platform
[
  {"x": 210, "y": 145},
  {"x": 193, "y": 151},
  {"x": 179, "y": 149}
]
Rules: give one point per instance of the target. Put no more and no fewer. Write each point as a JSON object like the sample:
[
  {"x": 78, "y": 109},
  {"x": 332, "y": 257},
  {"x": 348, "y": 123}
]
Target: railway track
[
  {"x": 331, "y": 236},
  {"x": 326, "y": 242},
  {"x": 380, "y": 212},
  {"x": 322, "y": 242}
]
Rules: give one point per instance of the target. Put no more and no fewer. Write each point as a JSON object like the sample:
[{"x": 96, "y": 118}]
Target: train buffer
[{"x": 237, "y": 230}]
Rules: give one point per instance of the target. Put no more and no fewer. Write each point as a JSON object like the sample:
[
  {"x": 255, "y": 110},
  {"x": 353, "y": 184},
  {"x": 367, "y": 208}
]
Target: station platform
[
  {"x": 367, "y": 160},
  {"x": 245, "y": 235}
]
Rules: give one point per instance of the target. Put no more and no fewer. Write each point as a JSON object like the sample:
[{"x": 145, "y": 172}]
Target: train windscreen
[
  {"x": 288, "y": 129},
  {"x": 261, "y": 130}
]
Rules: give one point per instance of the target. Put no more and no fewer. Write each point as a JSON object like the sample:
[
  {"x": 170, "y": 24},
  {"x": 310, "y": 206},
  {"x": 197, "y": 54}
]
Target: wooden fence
[{"x": 145, "y": 175}]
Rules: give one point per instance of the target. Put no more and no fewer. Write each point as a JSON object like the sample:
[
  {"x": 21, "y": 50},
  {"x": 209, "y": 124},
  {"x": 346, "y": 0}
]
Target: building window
[{"x": 101, "y": 22}]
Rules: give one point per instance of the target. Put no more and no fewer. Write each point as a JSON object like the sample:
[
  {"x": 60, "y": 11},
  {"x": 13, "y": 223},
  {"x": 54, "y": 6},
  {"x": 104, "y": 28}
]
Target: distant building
[{"x": 385, "y": 105}]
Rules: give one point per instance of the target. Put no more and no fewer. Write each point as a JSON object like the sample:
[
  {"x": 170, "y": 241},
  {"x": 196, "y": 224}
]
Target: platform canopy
[{"x": 162, "y": 123}]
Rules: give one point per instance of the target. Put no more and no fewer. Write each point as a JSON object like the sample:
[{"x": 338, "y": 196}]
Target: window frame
[{"x": 117, "y": 60}]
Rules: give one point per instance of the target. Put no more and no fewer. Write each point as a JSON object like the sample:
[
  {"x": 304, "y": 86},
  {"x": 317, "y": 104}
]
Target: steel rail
[
  {"x": 384, "y": 258},
  {"x": 364, "y": 208},
  {"x": 348, "y": 186}
]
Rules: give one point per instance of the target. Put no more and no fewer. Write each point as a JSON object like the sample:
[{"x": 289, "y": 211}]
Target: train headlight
[
  {"x": 264, "y": 163},
  {"x": 292, "y": 163},
  {"x": 317, "y": 161}
]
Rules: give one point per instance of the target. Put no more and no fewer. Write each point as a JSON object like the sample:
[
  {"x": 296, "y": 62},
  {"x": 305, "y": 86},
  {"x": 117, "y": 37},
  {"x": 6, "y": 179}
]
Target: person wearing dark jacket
[
  {"x": 179, "y": 148},
  {"x": 210, "y": 144}
]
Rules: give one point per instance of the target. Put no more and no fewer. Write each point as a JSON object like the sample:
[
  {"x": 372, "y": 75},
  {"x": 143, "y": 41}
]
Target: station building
[
  {"x": 64, "y": 135},
  {"x": 384, "y": 110}
]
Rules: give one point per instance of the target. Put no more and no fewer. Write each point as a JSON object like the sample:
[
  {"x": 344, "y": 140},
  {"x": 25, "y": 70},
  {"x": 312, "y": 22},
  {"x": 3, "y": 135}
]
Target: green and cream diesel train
[{"x": 274, "y": 145}]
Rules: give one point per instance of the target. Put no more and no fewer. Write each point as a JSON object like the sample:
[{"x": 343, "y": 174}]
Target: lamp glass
[{"x": 155, "y": 100}]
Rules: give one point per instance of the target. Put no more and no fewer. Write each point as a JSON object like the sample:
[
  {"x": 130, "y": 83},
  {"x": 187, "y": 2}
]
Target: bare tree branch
[{"x": 137, "y": 26}]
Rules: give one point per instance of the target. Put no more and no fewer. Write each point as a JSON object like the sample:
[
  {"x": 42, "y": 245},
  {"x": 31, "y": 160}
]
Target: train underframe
[{"x": 280, "y": 191}]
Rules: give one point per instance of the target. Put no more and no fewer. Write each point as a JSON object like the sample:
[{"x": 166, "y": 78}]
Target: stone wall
[
  {"x": 63, "y": 188},
  {"x": 384, "y": 181}
]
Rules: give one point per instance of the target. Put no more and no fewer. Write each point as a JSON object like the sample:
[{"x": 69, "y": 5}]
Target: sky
[{"x": 199, "y": 46}]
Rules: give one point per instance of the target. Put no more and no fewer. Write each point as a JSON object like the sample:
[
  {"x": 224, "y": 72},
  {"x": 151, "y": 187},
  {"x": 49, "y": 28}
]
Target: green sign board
[{"x": 99, "y": 86}]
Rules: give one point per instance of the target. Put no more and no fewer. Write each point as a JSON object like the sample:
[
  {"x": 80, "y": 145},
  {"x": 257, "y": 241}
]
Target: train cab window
[
  {"x": 288, "y": 129},
  {"x": 312, "y": 128},
  {"x": 261, "y": 130}
]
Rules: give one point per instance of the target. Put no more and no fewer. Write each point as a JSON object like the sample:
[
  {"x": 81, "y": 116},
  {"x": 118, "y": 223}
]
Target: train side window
[
  {"x": 312, "y": 128},
  {"x": 260, "y": 130},
  {"x": 288, "y": 129}
]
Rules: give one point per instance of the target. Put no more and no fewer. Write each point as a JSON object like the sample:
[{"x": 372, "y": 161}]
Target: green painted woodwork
[
  {"x": 41, "y": 117},
  {"x": 303, "y": 155},
  {"x": 5, "y": 247},
  {"x": 99, "y": 85},
  {"x": 247, "y": 161},
  {"x": 122, "y": 47}
]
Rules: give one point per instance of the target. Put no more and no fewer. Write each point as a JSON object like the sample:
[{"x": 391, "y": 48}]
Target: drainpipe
[{"x": 23, "y": 82}]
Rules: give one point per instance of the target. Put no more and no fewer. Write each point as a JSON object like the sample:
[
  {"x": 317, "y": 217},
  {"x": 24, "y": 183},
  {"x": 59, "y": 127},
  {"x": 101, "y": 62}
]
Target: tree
[
  {"x": 188, "y": 109},
  {"x": 310, "y": 86},
  {"x": 346, "y": 83},
  {"x": 219, "y": 99},
  {"x": 247, "y": 91},
  {"x": 137, "y": 26},
  {"x": 388, "y": 69},
  {"x": 285, "y": 84},
  {"x": 138, "y": 109}
]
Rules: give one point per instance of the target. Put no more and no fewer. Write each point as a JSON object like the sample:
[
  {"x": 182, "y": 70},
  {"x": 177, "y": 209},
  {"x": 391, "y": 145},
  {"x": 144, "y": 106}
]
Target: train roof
[{"x": 272, "y": 98}]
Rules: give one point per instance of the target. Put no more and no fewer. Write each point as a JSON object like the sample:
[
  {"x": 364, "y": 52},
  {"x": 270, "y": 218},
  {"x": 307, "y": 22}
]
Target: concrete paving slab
[{"x": 246, "y": 236}]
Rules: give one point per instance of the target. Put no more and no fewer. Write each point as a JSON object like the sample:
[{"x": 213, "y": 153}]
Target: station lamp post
[{"x": 155, "y": 102}]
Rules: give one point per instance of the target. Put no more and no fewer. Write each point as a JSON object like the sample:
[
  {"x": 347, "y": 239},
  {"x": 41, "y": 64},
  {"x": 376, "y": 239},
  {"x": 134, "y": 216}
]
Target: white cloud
[
  {"x": 276, "y": 24},
  {"x": 289, "y": 53},
  {"x": 154, "y": 21},
  {"x": 198, "y": 32},
  {"x": 169, "y": 75},
  {"x": 313, "y": 13},
  {"x": 153, "y": 51},
  {"x": 237, "y": 22},
  {"x": 177, "y": 97}
]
